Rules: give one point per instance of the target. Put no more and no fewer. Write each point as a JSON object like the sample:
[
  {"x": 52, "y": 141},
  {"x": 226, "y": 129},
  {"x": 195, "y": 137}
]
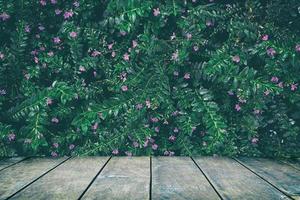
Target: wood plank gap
[
  {"x": 150, "y": 183},
  {"x": 14, "y": 163},
  {"x": 244, "y": 165},
  {"x": 38, "y": 178},
  {"x": 90, "y": 184},
  {"x": 207, "y": 178}
]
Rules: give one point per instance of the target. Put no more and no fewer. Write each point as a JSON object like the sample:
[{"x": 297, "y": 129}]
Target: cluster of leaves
[{"x": 141, "y": 77}]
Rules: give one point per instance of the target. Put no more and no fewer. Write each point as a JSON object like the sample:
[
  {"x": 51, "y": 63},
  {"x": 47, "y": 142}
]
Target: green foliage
[{"x": 134, "y": 77}]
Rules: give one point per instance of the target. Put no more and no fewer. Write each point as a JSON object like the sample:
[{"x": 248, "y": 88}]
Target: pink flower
[
  {"x": 76, "y": 4},
  {"x": 257, "y": 111},
  {"x": 96, "y": 53},
  {"x": 58, "y": 11},
  {"x": 148, "y": 103},
  {"x": 294, "y": 86},
  {"x": 4, "y": 16},
  {"x": 175, "y": 56},
  {"x": 196, "y": 48},
  {"x": 11, "y": 137},
  {"x": 113, "y": 54},
  {"x": 115, "y": 152},
  {"x": 154, "y": 146},
  {"x": 126, "y": 56},
  {"x": 188, "y": 36},
  {"x": 187, "y": 76},
  {"x": 36, "y": 60},
  {"x": 54, "y": 154},
  {"x": 254, "y": 140},
  {"x": 27, "y": 29},
  {"x": 209, "y": 23},
  {"x": 124, "y": 88},
  {"x": 54, "y": 120},
  {"x": 134, "y": 43},
  {"x": 49, "y": 101},
  {"x": 237, "y": 107},
  {"x": 123, "y": 33},
  {"x": 139, "y": 106},
  {"x": 73, "y": 34},
  {"x": 156, "y": 12},
  {"x": 274, "y": 79},
  {"x": 271, "y": 52},
  {"x": 265, "y": 37},
  {"x": 236, "y": 59},
  {"x": 110, "y": 46},
  {"x": 68, "y": 14},
  {"x": 267, "y": 92},
  {"x": 297, "y": 48},
  {"x": 156, "y": 129},
  {"x": 95, "y": 126},
  {"x": 50, "y": 53},
  {"x": 71, "y": 146},
  {"x": 82, "y": 69},
  {"x": 1, "y": 56},
  {"x": 230, "y": 93},
  {"x": 43, "y": 2},
  {"x": 172, "y": 138},
  {"x": 55, "y": 145},
  {"x": 123, "y": 76},
  {"x": 146, "y": 143},
  {"x": 56, "y": 40},
  {"x": 280, "y": 84},
  {"x": 53, "y": 1},
  {"x": 154, "y": 119}
]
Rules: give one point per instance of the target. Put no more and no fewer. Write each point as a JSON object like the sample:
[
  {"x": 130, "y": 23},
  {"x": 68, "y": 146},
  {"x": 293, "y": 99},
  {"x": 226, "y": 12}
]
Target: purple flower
[
  {"x": 134, "y": 43},
  {"x": 4, "y": 16},
  {"x": 68, "y": 14},
  {"x": 27, "y": 29},
  {"x": 154, "y": 119},
  {"x": 187, "y": 76},
  {"x": 115, "y": 152},
  {"x": 172, "y": 138},
  {"x": 146, "y": 143},
  {"x": 124, "y": 88},
  {"x": 54, "y": 154},
  {"x": 1, "y": 56},
  {"x": 230, "y": 93},
  {"x": 148, "y": 103},
  {"x": 71, "y": 146},
  {"x": 175, "y": 56},
  {"x": 265, "y": 37},
  {"x": 43, "y": 2},
  {"x": 254, "y": 140},
  {"x": 123, "y": 33},
  {"x": 280, "y": 84},
  {"x": 55, "y": 145},
  {"x": 156, "y": 12},
  {"x": 139, "y": 106},
  {"x": 110, "y": 46},
  {"x": 257, "y": 111},
  {"x": 209, "y": 23},
  {"x": 271, "y": 52},
  {"x": 73, "y": 34},
  {"x": 123, "y": 76},
  {"x": 82, "y": 69},
  {"x": 96, "y": 53},
  {"x": 237, "y": 107},
  {"x": 50, "y": 53},
  {"x": 76, "y": 4},
  {"x": 166, "y": 153},
  {"x": 267, "y": 92},
  {"x": 297, "y": 47},
  {"x": 11, "y": 137},
  {"x": 56, "y": 40},
  {"x": 294, "y": 86},
  {"x": 274, "y": 79},
  {"x": 126, "y": 56},
  {"x": 156, "y": 129},
  {"x": 188, "y": 36},
  {"x": 154, "y": 146},
  {"x": 236, "y": 59},
  {"x": 58, "y": 11},
  {"x": 54, "y": 120},
  {"x": 54, "y": 1},
  {"x": 171, "y": 153},
  {"x": 49, "y": 101}
]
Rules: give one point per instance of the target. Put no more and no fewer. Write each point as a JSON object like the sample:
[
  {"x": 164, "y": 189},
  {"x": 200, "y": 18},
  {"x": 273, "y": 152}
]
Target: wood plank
[
  {"x": 233, "y": 181},
  {"x": 67, "y": 181},
  {"x": 179, "y": 178},
  {"x": 293, "y": 163},
  {"x": 122, "y": 178},
  {"x": 281, "y": 175},
  {"x": 6, "y": 162},
  {"x": 14, "y": 178}
]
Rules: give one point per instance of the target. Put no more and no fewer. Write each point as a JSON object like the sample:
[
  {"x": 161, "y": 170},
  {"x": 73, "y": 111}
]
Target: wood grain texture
[
  {"x": 179, "y": 178},
  {"x": 233, "y": 181},
  {"x": 281, "y": 175},
  {"x": 67, "y": 181},
  {"x": 293, "y": 163},
  {"x": 122, "y": 178},
  {"x": 5, "y": 162},
  {"x": 14, "y": 178}
]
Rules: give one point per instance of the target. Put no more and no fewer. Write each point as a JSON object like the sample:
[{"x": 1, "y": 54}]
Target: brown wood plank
[
  {"x": 281, "y": 175},
  {"x": 233, "y": 181},
  {"x": 6, "y": 162},
  {"x": 16, "y": 177},
  {"x": 122, "y": 178},
  {"x": 67, "y": 181},
  {"x": 179, "y": 178}
]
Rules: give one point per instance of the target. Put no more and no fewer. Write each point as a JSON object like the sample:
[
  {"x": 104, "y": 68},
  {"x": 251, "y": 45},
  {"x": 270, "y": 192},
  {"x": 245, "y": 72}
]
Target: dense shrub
[{"x": 140, "y": 77}]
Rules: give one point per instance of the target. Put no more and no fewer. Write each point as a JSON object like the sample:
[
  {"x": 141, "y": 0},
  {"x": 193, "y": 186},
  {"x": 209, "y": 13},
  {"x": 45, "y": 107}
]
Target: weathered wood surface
[
  {"x": 293, "y": 163},
  {"x": 16, "y": 177},
  {"x": 67, "y": 181},
  {"x": 179, "y": 178},
  {"x": 122, "y": 178},
  {"x": 281, "y": 175},
  {"x": 6, "y": 162},
  {"x": 233, "y": 181}
]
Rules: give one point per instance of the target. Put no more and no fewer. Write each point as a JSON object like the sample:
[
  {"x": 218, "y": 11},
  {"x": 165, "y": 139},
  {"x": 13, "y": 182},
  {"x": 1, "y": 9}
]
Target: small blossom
[
  {"x": 36, "y": 60},
  {"x": 126, "y": 56},
  {"x": 49, "y": 101},
  {"x": 54, "y": 120},
  {"x": 134, "y": 43},
  {"x": 274, "y": 79},
  {"x": 68, "y": 14},
  {"x": 166, "y": 153},
  {"x": 135, "y": 144},
  {"x": 175, "y": 56},
  {"x": 110, "y": 46},
  {"x": 280, "y": 84},
  {"x": 154, "y": 119},
  {"x": 204, "y": 143},
  {"x": 271, "y": 52},
  {"x": 139, "y": 106},
  {"x": 265, "y": 37},
  {"x": 2, "y": 92},
  {"x": 58, "y": 11},
  {"x": 123, "y": 76},
  {"x": 82, "y": 69},
  {"x": 96, "y": 53},
  {"x": 43, "y": 2},
  {"x": 267, "y": 92},
  {"x": 156, "y": 129},
  {"x": 196, "y": 48},
  {"x": 294, "y": 86},
  {"x": 236, "y": 59},
  {"x": 187, "y": 76},
  {"x": 115, "y": 152},
  {"x": 95, "y": 126},
  {"x": 41, "y": 28},
  {"x": 242, "y": 100},
  {"x": 154, "y": 147},
  {"x": 176, "y": 73},
  {"x": 237, "y": 107},
  {"x": 254, "y": 140},
  {"x": 113, "y": 54},
  {"x": 27, "y": 76},
  {"x": 297, "y": 47},
  {"x": 172, "y": 138},
  {"x": 71, "y": 146},
  {"x": 54, "y": 154},
  {"x": 124, "y": 88},
  {"x": 194, "y": 128},
  {"x": 188, "y": 36},
  {"x": 148, "y": 103},
  {"x": 156, "y": 12},
  {"x": 123, "y": 33},
  {"x": 1, "y": 56},
  {"x": 94, "y": 73},
  {"x": 76, "y": 4},
  {"x": 56, "y": 40},
  {"x": 230, "y": 93},
  {"x": 128, "y": 153},
  {"x": 55, "y": 145},
  {"x": 257, "y": 111},
  {"x": 27, "y": 29},
  {"x": 176, "y": 130},
  {"x": 50, "y": 53},
  {"x": 209, "y": 23},
  {"x": 4, "y": 16},
  {"x": 53, "y": 1},
  {"x": 73, "y": 34},
  {"x": 11, "y": 137}
]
